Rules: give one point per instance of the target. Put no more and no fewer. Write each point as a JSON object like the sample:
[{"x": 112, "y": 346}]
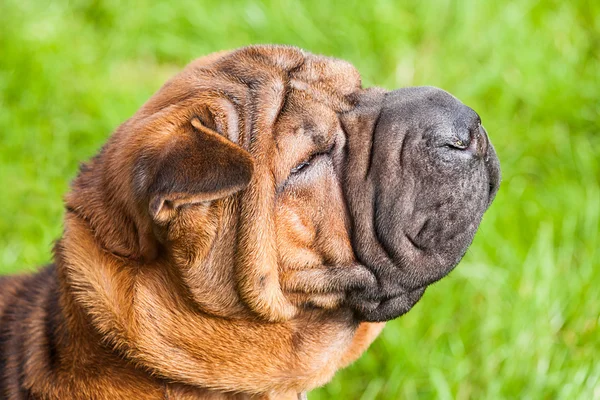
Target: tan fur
[{"x": 198, "y": 290}]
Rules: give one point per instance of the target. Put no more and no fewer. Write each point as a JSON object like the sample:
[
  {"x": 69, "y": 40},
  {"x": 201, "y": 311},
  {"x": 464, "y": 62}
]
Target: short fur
[
  {"x": 169, "y": 280},
  {"x": 230, "y": 237}
]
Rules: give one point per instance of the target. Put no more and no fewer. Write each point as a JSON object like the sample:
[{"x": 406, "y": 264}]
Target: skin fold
[{"x": 242, "y": 234}]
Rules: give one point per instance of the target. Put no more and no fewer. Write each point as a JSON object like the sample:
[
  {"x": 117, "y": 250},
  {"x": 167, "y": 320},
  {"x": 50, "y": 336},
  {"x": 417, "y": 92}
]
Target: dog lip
[
  {"x": 403, "y": 292},
  {"x": 393, "y": 306}
]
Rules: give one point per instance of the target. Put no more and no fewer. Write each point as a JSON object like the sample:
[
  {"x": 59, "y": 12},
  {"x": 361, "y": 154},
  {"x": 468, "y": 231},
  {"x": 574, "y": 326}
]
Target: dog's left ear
[{"x": 197, "y": 165}]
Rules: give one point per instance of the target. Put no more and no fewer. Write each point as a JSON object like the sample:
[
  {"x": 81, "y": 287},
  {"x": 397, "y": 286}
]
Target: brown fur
[{"x": 192, "y": 265}]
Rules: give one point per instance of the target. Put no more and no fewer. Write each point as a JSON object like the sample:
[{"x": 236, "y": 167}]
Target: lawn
[{"x": 519, "y": 318}]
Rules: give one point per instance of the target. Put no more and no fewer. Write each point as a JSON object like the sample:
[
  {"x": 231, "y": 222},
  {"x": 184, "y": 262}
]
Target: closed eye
[{"x": 303, "y": 166}]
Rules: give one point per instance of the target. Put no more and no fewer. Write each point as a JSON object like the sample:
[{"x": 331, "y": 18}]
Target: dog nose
[{"x": 468, "y": 134}]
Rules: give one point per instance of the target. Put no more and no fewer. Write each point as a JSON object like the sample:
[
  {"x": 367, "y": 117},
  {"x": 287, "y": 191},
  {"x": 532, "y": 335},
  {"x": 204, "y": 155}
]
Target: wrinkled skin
[
  {"x": 216, "y": 241},
  {"x": 419, "y": 174}
]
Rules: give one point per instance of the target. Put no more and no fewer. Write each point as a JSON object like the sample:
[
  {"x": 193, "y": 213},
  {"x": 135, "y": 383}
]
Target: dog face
[{"x": 270, "y": 174}]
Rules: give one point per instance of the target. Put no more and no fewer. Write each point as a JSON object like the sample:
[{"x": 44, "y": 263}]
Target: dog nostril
[
  {"x": 473, "y": 140},
  {"x": 461, "y": 140},
  {"x": 460, "y": 144}
]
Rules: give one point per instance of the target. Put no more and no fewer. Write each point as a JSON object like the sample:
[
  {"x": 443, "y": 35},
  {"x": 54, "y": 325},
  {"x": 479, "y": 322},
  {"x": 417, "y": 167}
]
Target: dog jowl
[{"x": 237, "y": 235}]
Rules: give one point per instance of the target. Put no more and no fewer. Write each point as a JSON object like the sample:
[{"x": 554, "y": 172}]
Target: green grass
[{"x": 519, "y": 318}]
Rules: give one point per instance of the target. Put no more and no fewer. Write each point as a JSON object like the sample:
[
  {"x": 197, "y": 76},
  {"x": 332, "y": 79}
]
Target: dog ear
[{"x": 198, "y": 165}]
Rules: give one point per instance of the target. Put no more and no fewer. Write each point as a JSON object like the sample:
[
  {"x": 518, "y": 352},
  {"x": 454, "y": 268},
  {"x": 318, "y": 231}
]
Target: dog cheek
[{"x": 295, "y": 234}]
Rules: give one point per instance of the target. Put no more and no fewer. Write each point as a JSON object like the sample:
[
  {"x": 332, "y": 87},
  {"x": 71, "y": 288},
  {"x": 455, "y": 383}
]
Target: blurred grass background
[{"x": 518, "y": 319}]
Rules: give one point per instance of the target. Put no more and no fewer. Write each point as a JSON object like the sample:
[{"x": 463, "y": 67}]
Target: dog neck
[{"x": 140, "y": 312}]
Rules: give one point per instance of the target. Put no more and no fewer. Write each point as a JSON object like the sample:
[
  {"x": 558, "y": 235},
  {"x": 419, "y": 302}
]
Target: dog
[{"x": 245, "y": 234}]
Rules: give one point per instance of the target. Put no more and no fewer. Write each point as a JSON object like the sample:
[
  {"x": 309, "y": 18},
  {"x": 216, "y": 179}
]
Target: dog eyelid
[
  {"x": 306, "y": 163},
  {"x": 301, "y": 166}
]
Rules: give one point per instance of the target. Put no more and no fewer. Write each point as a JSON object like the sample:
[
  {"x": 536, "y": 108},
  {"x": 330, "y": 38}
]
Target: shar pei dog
[{"x": 244, "y": 234}]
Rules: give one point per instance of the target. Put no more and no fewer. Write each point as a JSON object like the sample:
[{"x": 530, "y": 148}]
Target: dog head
[
  {"x": 269, "y": 170},
  {"x": 255, "y": 183}
]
